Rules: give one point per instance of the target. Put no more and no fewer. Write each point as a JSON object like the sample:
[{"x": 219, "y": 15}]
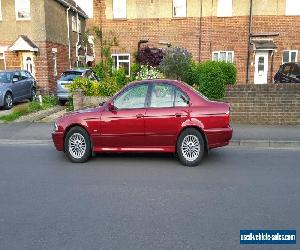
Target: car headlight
[{"x": 55, "y": 127}]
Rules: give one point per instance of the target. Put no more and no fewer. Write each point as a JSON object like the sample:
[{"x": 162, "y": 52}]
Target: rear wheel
[
  {"x": 8, "y": 101},
  {"x": 190, "y": 147},
  {"x": 78, "y": 145}
]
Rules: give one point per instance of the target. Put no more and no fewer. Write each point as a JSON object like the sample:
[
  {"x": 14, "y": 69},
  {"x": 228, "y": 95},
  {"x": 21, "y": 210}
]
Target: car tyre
[
  {"x": 33, "y": 95},
  {"x": 8, "y": 101},
  {"x": 190, "y": 147},
  {"x": 78, "y": 145},
  {"x": 62, "y": 102}
]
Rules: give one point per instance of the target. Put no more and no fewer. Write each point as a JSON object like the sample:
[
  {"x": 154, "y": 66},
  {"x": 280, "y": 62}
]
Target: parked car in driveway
[
  {"x": 16, "y": 85},
  {"x": 67, "y": 78},
  {"x": 147, "y": 116},
  {"x": 288, "y": 73}
]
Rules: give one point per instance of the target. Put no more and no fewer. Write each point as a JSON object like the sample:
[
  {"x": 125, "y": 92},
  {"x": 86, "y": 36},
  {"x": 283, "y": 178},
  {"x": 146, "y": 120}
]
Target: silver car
[
  {"x": 16, "y": 85},
  {"x": 67, "y": 78}
]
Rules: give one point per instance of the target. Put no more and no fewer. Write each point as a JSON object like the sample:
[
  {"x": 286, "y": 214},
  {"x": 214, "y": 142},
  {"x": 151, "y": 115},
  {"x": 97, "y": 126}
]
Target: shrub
[
  {"x": 146, "y": 73},
  {"x": 150, "y": 56},
  {"x": 49, "y": 101},
  {"x": 175, "y": 63},
  {"x": 211, "y": 80},
  {"x": 230, "y": 72},
  {"x": 108, "y": 87},
  {"x": 120, "y": 77}
]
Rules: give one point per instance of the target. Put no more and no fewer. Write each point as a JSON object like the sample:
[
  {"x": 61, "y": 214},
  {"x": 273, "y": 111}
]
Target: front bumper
[{"x": 58, "y": 140}]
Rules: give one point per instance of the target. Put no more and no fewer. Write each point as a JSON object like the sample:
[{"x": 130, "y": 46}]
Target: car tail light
[{"x": 227, "y": 117}]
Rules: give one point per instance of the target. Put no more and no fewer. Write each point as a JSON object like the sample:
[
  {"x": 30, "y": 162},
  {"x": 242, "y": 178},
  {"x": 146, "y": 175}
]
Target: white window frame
[
  {"x": 116, "y": 14},
  {"x": 175, "y": 2},
  {"x": 226, "y": 56},
  {"x": 222, "y": 11},
  {"x": 118, "y": 61},
  {"x": 16, "y": 10},
  {"x": 74, "y": 24},
  {"x": 290, "y": 55},
  {"x": 0, "y": 11},
  {"x": 78, "y": 25},
  {"x": 292, "y": 8}
]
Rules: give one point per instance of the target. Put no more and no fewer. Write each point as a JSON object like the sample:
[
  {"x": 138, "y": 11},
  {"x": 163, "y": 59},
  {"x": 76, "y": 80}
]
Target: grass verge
[{"x": 27, "y": 108}]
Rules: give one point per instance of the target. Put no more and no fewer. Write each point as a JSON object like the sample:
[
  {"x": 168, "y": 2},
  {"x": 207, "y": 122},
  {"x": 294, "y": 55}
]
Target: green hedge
[{"x": 210, "y": 77}]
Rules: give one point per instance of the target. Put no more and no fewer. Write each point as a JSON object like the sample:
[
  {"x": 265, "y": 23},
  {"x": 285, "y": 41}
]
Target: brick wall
[{"x": 277, "y": 104}]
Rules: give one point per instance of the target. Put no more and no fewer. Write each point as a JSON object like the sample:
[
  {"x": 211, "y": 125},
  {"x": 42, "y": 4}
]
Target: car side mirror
[
  {"x": 15, "y": 79},
  {"x": 111, "y": 106}
]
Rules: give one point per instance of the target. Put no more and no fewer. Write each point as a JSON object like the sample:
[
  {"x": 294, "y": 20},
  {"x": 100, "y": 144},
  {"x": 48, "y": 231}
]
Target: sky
[{"x": 87, "y": 6}]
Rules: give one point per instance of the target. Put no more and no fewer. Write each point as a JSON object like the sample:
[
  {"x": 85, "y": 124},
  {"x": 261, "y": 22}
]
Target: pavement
[
  {"x": 243, "y": 135},
  {"x": 145, "y": 201}
]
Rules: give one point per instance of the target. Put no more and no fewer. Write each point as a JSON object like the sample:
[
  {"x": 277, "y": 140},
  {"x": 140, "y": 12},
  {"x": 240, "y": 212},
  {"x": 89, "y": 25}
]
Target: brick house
[
  {"x": 42, "y": 36},
  {"x": 258, "y": 36}
]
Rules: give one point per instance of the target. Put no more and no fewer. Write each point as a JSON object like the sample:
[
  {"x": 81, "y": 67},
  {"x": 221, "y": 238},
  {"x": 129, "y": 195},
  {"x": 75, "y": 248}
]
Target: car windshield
[
  {"x": 5, "y": 77},
  {"x": 70, "y": 75}
]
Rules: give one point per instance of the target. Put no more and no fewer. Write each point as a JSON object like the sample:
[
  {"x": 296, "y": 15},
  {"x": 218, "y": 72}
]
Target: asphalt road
[{"x": 145, "y": 201}]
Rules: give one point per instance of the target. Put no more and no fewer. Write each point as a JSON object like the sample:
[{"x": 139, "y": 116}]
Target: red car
[{"x": 147, "y": 116}]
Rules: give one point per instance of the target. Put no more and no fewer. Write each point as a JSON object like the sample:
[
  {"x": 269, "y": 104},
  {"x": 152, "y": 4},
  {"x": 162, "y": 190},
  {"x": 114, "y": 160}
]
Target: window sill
[{"x": 23, "y": 19}]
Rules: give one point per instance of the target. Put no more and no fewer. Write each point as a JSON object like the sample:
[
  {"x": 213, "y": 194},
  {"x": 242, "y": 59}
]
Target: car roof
[{"x": 81, "y": 70}]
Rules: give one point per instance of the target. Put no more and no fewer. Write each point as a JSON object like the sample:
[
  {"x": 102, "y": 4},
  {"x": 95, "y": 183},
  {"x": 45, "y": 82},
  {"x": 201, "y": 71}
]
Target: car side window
[
  {"x": 23, "y": 75},
  {"x": 28, "y": 74},
  {"x": 17, "y": 76},
  {"x": 286, "y": 70},
  {"x": 132, "y": 98},
  {"x": 162, "y": 96},
  {"x": 181, "y": 99}
]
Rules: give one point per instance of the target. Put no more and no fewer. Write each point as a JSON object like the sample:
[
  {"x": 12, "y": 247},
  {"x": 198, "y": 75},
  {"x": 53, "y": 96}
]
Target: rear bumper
[
  {"x": 58, "y": 140},
  {"x": 218, "y": 137},
  {"x": 62, "y": 95}
]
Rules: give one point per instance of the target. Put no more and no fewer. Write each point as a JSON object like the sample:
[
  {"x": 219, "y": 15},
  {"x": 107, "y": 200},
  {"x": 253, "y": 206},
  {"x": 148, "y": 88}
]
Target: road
[{"x": 145, "y": 201}]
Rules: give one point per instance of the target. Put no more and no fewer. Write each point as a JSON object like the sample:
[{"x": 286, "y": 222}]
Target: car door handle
[
  {"x": 139, "y": 116},
  {"x": 178, "y": 114}
]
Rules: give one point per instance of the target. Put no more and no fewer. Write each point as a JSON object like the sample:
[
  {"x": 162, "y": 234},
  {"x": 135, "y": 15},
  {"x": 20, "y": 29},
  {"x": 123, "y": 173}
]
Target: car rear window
[{"x": 70, "y": 75}]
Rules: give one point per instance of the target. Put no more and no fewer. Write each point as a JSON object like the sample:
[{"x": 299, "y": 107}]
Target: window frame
[
  {"x": 220, "y": 9},
  {"x": 173, "y": 10},
  {"x": 118, "y": 61},
  {"x": 113, "y": 10},
  {"x": 290, "y": 10},
  {"x": 16, "y": 12},
  {"x": 128, "y": 89},
  {"x": 174, "y": 88},
  {"x": 3, "y": 57},
  {"x": 290, "y": 55},
  {"x": 226, "y": 56}
]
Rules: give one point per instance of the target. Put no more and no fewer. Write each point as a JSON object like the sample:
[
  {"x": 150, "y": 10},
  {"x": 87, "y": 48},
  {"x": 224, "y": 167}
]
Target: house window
[
  {"x": 179, "y": 8},
  {"x": 292, "y": 8},
  {"x": 225, "y": 56},
  {"x": 74, "y": 24},
  {"x": 224, "y": 8},
  {"x": 78, "y": 26},
  {"x": 22, "y": 9},
  {"x": 119, "y": 8},
  {"x": 2, "y": 61},
  {"x": 121, "y": 60},
  {"x": 289, "y": 56}
]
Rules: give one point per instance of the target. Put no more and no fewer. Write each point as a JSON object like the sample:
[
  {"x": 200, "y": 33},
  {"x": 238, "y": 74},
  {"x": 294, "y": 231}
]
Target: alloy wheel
[
  {"x": 190, "y": 148},
  {"x": 77, "y": 145}
]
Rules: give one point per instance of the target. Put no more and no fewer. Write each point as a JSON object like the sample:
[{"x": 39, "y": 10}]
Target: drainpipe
[
  {"x": 77, "y": 44},
  {"x": 200, "y": 30},
  {"x": 249, "y": 41},
  {"x": 69, "y": 43}
]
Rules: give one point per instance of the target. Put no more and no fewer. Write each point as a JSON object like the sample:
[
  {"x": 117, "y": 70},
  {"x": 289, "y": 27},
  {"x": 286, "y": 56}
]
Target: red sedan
[{"x": 147, "y": 116}]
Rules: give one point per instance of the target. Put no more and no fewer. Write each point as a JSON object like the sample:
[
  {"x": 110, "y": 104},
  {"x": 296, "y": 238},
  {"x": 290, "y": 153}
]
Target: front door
[
  {"x": 28, "y": 62},
  {"x": 124, "y": 126},
  {"x": 261, "y": 67}
]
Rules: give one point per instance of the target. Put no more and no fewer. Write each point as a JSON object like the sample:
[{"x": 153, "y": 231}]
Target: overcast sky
[{"x": 87, "y": 6}]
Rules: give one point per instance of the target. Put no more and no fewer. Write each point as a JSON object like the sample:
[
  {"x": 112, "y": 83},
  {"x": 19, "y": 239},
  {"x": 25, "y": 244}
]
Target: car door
[
  {"x": 168, "y": 109},
  {"x": 26, "y": 83},
  {"x": 16, "y": 86},
  {"x": 123, "y": 126}
]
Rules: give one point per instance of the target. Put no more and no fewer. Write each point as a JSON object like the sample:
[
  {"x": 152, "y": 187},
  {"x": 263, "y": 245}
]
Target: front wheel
[
  {"x": 190, "y": 147},
  {"x": 8, "y": 101},
  {"x": 78, "y": 145},
  {"x": 33, "y": 95}
]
